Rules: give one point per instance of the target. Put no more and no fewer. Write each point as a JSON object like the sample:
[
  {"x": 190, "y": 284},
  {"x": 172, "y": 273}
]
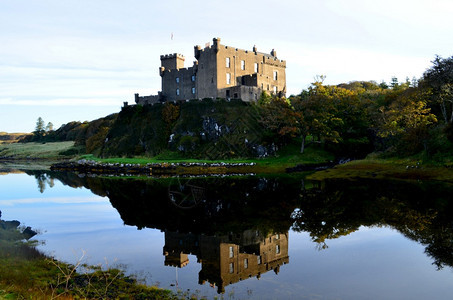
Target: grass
[
  {"x": 388, "y": 168},
  {"x": 36, "y": 150},
  {"x": 288, "y": 156}
]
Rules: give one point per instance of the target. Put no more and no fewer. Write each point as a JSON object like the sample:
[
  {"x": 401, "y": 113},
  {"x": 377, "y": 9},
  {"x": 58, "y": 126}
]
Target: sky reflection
[{"x": 370, "y": 263}]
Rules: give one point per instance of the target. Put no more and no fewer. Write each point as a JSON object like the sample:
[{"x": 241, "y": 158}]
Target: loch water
[{"x": 246, "y": 237}]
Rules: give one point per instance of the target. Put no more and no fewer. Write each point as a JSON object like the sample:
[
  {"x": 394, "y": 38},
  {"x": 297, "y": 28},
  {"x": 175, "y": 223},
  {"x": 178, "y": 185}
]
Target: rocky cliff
[{"x": 201, "y": 129}]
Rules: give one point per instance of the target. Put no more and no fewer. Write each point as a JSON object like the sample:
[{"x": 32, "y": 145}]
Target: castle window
[
  {"x": 193, "y": 90},
  {"x": 228, "y": 78},
  {"x": 275, "y": 75},
  {"x": 267, "y": 87},
  {"x": 177, "y": 79},
  {"x": 242, "y": 64},
  {"x": 193, "y": 78},
  {"x": 256, "y": 67},
  {"x": 275, "y": 90},
  {"x": 277, "y": 236},
  {"x": 231, "y": 252},
  {"x": 177, "y": 92},
  {"x": 277, "y": 249},
  {"x": 227, "y": 62},
  {"x": 259, "y": 259},
  {"x": 231, "y": 268},
  {"x": 246, "y": 263}
]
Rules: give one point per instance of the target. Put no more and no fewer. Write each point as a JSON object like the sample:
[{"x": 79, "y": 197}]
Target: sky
[{"x": 79, "y": 60}]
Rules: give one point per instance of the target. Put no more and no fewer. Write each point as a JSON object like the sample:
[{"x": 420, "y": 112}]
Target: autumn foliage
[
  {"x": 170, "y": 113},
  {"x": 356, "y": 118}
]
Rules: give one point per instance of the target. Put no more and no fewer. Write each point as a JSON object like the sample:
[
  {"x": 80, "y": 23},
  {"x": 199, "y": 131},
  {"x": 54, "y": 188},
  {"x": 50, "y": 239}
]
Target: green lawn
[{"x": 288, "y": 156}]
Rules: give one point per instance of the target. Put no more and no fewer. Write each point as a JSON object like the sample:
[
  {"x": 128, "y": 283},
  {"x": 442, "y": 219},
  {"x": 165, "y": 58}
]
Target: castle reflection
[{"x": 227, "y": 259}]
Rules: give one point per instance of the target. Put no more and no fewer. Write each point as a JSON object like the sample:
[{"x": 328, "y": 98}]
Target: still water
[{"x": 253, "y": 237}]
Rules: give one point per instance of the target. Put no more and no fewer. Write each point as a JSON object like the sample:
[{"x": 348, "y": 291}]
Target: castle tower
[{"x": 172, "y": 61}]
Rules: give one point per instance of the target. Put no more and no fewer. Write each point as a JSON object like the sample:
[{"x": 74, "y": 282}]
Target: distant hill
[{"x": 8, "y": 138}]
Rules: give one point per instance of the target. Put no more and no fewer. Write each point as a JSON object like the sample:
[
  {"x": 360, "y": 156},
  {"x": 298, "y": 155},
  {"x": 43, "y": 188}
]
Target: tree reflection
[
  {"x": 43, "y": 180},
  {"x": 421, "y": 211}
]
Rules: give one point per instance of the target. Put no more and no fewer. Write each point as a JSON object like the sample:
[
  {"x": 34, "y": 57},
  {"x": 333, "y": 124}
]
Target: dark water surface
[{"x": 278, "y": 237}]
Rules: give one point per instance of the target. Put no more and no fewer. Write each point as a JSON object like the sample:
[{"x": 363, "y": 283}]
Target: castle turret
[
  {"x": 216, "y": 44},
  {"x": 172, "y": 61},
  {"x": 197, "y": 50}
]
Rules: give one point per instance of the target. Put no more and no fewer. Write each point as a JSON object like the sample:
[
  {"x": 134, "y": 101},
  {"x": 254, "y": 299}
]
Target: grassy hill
[{"x": 50, "y": 151}]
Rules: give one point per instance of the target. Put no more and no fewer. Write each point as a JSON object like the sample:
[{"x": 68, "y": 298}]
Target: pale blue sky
[{"x": 77, "y": 60}]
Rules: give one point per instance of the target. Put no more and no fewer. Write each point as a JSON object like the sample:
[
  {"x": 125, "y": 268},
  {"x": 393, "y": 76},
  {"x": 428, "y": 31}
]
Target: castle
[{"x": 219, "y": 72}]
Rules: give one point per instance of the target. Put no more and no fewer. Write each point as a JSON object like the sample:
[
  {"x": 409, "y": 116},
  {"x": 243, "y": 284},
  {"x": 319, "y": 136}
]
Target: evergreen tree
[
  {"x": 49, "y": 127},
  {"x": 39, "y": 129}
]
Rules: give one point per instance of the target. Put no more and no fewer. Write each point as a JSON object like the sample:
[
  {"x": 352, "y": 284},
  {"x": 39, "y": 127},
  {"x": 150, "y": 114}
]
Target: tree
[
  {"x": 170, "y": 113},
  {"x": 401, "y": 117},
  {"x": 319, "y": 113},
  {"x": 439, "y": 78},
  {"x": 383, "y": 85},
  {"x": 39, "y": 129},
  {"x": 49, "y": 127},
  {"x": 394, "y": 83},
  {"x": 280, "y": 118},
  {"x": 265, "y": 98},
  {"x": 337, "y": 115},
  {"x": 407, "y": 118}
]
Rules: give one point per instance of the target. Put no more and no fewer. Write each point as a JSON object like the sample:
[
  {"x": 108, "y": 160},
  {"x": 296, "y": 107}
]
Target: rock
[{"x": 29, "y": 233}]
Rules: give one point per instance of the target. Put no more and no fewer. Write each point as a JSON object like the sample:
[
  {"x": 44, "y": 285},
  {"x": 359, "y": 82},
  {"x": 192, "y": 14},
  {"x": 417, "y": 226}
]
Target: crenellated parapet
[
  {"x": 148, "y": 100},
  {"x": 172, "y": 56},
  {"x": 172, "y": 61}
]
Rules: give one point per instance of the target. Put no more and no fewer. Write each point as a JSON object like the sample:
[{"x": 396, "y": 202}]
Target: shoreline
[
  {"x": 40, "y": 275},
  {"x": 182, "y": 168},
  {"x": 365, "y": 168}
]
